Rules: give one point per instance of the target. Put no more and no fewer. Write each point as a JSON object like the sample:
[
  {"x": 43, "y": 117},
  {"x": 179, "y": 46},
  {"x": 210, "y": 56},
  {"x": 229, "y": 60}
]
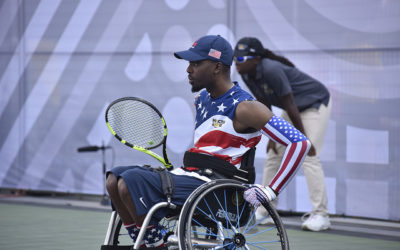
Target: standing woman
[{"x": 274, "y": 80}]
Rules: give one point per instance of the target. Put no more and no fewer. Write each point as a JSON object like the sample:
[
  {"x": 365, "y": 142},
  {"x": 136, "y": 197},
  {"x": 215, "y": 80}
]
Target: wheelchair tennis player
[{"x": 229, "y": 124}]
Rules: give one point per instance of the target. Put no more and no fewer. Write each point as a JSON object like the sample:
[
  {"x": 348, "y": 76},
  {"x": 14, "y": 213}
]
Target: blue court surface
[{"x": 80, "y": 223}]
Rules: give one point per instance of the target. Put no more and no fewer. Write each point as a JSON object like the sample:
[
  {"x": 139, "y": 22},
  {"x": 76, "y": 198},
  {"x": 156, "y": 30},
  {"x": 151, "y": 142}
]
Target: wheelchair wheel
[
  {"x": 119, "y": 236},
  {"x": 216, "y": 216},
  {"x": 115, "y": 238}
]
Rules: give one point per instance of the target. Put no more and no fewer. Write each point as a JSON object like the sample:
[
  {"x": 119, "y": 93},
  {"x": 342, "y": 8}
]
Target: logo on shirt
[
  {"x": 217, "y": 123},
  {"x": 266, "y": 89}
]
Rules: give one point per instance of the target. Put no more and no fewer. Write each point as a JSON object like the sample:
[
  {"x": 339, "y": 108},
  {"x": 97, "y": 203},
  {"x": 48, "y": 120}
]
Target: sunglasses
[{"x": 242, "y": 59}]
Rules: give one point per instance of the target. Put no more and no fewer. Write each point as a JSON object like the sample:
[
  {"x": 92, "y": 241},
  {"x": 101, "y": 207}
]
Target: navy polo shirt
[{"x": 274, "y": 79}]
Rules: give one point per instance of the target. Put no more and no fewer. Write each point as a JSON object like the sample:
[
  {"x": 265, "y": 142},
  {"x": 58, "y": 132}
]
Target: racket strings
[{"x": 137, "y": 123}]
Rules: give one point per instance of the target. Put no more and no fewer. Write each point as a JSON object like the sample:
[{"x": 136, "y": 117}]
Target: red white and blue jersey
[{"x": 214, "y": 132}]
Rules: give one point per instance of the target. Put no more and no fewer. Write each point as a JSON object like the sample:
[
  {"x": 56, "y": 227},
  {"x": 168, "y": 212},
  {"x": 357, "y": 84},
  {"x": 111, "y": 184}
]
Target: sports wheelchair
[{"x": 215, "y": 216}]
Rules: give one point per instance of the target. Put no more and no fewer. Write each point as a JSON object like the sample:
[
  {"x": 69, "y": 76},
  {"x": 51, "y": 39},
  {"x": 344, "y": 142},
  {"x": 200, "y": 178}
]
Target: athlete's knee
[
  {"x": 122, "y": 188},
  {"x": 111, "y": 183}
]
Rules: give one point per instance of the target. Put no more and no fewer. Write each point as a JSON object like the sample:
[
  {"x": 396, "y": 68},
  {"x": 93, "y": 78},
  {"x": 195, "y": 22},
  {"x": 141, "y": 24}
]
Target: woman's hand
[
  {"x": 312, "y": 151},
  {"x": 271, "y": 145}
]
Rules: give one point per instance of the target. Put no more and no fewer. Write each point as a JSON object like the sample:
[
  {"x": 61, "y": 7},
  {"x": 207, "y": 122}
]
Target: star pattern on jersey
[
  {"x": 235, "y": 101},
  {"x": 286, "y": 128},
  {"x": 207, "y": 106},
  {"x": 221, "y": 107}
]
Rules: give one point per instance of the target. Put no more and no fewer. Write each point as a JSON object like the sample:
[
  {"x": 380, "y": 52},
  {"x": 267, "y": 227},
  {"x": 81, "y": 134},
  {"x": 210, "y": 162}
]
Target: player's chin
[{"x": 195, "y": 88}]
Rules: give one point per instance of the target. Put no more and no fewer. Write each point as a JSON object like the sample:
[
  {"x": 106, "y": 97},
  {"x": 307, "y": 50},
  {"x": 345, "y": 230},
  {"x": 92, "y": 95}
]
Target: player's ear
[{"x": 218, "y": 68}]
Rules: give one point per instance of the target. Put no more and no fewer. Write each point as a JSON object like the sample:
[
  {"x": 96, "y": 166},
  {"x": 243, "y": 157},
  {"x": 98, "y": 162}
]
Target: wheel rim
[{"x": 232, "y": 233}]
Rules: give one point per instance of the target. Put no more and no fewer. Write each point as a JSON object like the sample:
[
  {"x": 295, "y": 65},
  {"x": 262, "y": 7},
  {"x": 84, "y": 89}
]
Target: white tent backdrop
[{"x": 62, "y": 62}]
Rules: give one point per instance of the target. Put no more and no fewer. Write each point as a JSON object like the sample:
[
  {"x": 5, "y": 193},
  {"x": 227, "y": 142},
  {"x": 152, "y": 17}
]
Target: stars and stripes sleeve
[{"x": 297, "y": 147}]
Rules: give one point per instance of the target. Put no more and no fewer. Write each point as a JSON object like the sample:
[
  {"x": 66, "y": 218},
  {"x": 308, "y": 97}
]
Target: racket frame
[{"x": 164, "y": 160}]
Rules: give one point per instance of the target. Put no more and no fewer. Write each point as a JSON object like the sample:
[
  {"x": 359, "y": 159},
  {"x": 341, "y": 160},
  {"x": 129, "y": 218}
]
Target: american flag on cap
[{"x": 215, "y": 53}]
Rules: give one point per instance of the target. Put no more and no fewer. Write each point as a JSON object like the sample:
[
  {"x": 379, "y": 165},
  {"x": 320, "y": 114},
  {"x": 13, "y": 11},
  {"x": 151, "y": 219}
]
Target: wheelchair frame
[{"x": 227, "y": 231}]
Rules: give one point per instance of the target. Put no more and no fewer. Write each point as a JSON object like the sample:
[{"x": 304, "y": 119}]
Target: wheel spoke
[{"x": 217, "y": 217}]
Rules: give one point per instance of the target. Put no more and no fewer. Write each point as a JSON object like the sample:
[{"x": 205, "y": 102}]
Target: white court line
[
  {"x": 46, "y": 83},
  {"x": 35, "y": 30},
  {"x": 79, "y": 96}
]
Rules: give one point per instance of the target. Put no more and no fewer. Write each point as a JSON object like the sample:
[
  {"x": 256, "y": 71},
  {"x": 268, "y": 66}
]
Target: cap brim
[{"x": 188, "y": 56}]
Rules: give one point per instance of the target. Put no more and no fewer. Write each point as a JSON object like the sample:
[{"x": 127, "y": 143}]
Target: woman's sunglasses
[{"x": 242, "y": 59}]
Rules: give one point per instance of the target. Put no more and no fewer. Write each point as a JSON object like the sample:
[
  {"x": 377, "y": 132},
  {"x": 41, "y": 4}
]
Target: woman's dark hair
[{"x": 270, "y": 55}]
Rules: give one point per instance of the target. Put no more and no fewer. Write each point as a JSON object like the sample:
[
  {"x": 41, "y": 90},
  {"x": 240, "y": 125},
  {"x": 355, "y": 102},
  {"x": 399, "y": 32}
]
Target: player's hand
[
  {"x": 271, "y": 145},
  {"x": 312, "y": 151},
  {"x": 257, "y": 194}
]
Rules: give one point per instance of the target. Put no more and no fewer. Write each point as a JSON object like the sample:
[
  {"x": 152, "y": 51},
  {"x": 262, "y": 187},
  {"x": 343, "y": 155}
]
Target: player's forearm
[
  {"x": 297, "y": 147},
  {"x": 291, "y": 162}
]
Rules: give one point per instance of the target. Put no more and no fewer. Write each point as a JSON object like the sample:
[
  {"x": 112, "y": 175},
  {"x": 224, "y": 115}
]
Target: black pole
[{"x": 105, "y": 200}]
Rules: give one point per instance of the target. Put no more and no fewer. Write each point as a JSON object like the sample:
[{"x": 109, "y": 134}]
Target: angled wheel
[{"x": 216, "y": 216}]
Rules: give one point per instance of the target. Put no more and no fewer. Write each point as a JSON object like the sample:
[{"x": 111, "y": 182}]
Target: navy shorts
[{"x": 145, "y": 188}]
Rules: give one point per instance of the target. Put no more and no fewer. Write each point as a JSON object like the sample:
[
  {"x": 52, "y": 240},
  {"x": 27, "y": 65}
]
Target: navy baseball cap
[
  {"x": 249, "y": 46},
  {"x": 210, "y": 47}
]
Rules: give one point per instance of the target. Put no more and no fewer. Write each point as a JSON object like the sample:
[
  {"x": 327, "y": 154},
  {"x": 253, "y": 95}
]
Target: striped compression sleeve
[{"x": 297, "y": 147}]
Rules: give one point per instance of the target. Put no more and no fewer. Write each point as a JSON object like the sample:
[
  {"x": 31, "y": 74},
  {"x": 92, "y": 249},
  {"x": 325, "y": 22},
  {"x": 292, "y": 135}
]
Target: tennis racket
[{"x": 139, "y": 125}]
